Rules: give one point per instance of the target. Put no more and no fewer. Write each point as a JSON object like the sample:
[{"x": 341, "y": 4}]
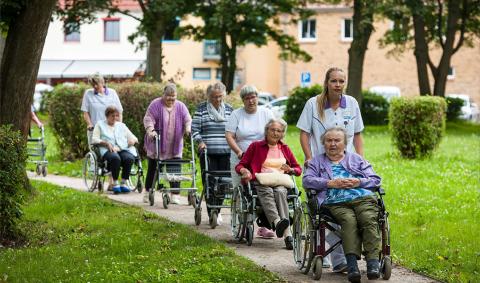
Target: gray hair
[
  {"x": 248, "y": 89},
  {"x": 335, "y": 129},
  {"x": 216, "y": 87},
  {"x": 276, "y": 120},
  {"x": 169, "y": 89},
  {"x": 96, "y": 79}
]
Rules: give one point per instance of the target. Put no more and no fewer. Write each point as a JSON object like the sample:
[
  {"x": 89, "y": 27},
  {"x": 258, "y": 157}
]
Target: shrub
[
  {"x": 296, "y": 101},
  {"x": 374, "y": 109},
  {"x": 417, "y": 125},
  {"x": 12, "y": 173},
  {"x": 454, "y": 107}
]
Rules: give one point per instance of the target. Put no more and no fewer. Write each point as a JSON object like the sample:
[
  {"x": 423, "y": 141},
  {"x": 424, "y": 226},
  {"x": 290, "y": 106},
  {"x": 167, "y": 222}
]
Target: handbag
[{"x": 274, "y": 179}]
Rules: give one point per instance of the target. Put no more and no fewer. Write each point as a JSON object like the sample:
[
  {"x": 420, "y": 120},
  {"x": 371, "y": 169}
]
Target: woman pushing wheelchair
[{"x": 343, "y": 181}]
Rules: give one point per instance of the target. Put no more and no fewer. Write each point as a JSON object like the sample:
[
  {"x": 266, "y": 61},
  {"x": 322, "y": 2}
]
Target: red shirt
[{"x": 256, "y": 155}]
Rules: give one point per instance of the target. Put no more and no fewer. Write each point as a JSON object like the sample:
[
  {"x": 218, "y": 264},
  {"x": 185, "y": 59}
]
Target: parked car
[
  {"x": 278, "y": 106},
  {"x": 264, "y": 98},
  {"x": 388, "y": 92},
  {"x": 469, "y": 109}
]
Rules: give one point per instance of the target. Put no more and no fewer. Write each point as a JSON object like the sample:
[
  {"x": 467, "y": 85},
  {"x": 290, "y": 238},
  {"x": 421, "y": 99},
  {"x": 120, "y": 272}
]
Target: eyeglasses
[{"x": 276, "y": 131}]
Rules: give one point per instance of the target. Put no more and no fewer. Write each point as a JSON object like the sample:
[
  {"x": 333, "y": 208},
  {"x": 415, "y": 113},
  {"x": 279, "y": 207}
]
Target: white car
[
  {"x": 278, "y": 106},
  {"x": 469, "y": 109},
  {"x": 264, "y": 98},
  {"x": 388, "y": 92}
]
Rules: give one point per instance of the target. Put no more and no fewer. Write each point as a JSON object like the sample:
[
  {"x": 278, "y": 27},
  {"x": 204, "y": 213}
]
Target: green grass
[{"x": 79, "y": 237}]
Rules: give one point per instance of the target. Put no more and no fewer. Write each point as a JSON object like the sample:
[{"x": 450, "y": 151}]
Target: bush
[
  {"x": 374, "y": 109},
  {"x": 13, "y": 180},
  {"x": 70, "y": 129},
  {"x": 454, "y": 108},
  {"x": 298, "y": 97},
  {"x": 417, "y": 124}
]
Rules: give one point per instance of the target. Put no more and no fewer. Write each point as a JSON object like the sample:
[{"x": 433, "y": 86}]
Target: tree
[
  {"x": 236, "y": 23},
  {"x": 445, "y": 24}
]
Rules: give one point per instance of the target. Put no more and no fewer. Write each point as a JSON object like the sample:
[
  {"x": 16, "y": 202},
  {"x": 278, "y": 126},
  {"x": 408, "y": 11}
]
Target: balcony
[{"x": 211, "y": 50}]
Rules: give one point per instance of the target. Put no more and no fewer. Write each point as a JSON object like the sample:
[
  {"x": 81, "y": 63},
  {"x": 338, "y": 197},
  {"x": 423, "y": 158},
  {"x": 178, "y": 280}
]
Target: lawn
[
  {"x": 79, "y": 237},
  {"x": 433, "y": 202}
]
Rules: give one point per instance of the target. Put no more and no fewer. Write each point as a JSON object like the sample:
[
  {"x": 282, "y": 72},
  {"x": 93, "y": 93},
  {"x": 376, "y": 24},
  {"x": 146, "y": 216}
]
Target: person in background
[
  {"x": 245, "y": 125},
  {"x": 331, "y": 108},
  {"x": 170, "y": 119},
  {"x": 115, "y": 142},
  {"x": 34, "y": 117},
  {"x": 208, "y": 130}
]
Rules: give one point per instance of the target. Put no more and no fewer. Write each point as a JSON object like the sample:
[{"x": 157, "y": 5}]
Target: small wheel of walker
[
  {"x": 189, "y": 199},
  {"x": 213, "y": 220},
  {"x": 151, "y": 196},
  {"x": 198, "y": 216},
  {"x": 386, "y": 268},
  {"x": 139, "y": 186},
  {"x": 44, "y": 170},
  {"x": 165, "y": 201},
  {"x": 249, "y": 234},
  {"x": 100, "y": 186},
  {"x": 317, "y": 267},
  {"x": 38, "y": 170}
]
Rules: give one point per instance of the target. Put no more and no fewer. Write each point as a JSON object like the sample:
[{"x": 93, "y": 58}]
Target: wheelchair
[
  {"x": 246, "y": 208},
  {"x": 309, "y": 229},
  {"x": 95, "y": 170},
  {"x": 222, "y": 189}
]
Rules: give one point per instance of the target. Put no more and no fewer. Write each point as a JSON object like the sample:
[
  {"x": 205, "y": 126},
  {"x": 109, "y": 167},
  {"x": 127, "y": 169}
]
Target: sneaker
[
  {"x": 281, "y": 226},
  {"x": 219, "y": 219},
  {"x": 175, "y": 199},
  {"x": 116, "y": 189},
  {"x": 373, "y": 271},
  {"x": 289, "y": 243},
  {"x": 146, "y": 198},
  {"x": 342, "y": 267},
  {"x": 265, "y": 233},
  {"x": 124, "y": 188}
]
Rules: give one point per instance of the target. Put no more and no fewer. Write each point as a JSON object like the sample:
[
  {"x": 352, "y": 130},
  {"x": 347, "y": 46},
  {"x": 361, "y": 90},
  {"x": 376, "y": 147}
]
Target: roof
[{"x": 84, "y": 68}]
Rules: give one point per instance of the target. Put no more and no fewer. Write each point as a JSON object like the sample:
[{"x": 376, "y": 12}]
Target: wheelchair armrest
[{"x": 379, "y": 190}]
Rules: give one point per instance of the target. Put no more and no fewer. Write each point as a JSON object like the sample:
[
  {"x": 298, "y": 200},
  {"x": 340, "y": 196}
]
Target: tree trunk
[
  {"x": 232, "y": 66},
  {"x": 224, "y": 61},
  {"x": 20, "y": 62},
  {"x": 421, "y": 47},
  {"x": 155, "y": 57},
  {"x": 362, "y": 29}
]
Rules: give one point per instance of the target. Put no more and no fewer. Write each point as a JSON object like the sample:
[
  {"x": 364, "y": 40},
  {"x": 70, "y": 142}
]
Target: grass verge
[{"x": 78, "y": 237}]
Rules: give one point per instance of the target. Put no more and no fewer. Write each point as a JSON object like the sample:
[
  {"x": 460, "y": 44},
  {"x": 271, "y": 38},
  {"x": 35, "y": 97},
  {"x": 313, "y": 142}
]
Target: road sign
[{"x": 306, "y": 79}]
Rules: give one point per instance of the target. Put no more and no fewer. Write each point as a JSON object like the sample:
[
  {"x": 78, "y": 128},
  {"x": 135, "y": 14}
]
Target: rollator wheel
[
  {"x": 317, "y": 267},
  {"x": 198, "y": 216},
  {"x": 38, "y": 170},
  {"x": 249, "y": 234},
  {"x": 100, "y": 186},
  {"x": 194, "y": 200},
  {"x": 139, "y": 186},
  {"x": 165, "y": 201},
  {"x": 151, "y": 196},
  {"x": 213, "y": 220},
  {"x": 386, "y": 268},
  {"x": 44, "y": 171}
]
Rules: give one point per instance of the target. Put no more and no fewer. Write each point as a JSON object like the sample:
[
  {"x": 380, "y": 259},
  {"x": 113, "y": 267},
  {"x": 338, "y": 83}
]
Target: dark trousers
[
  {"x": 115, "y": 160},
  {"x": 171, "y": 168},
  {"x": 216, "y": 162}
]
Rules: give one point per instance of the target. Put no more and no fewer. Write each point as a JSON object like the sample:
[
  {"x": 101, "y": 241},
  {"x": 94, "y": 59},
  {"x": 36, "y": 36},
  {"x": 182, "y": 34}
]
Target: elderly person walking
[
  {"x": 170, "y": 119},
  {"x": 208, "y": 131},
  {"x": 116, "y": 147},
  {"x": 331, "y": 108},
  {"x": 267, "y": 156},
  {"x": 244, "y": 126},
  {"x": 343, "y": 180}
]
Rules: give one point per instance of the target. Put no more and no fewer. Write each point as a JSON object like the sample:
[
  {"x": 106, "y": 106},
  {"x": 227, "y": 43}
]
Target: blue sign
[{"x": 305, "y": 79}]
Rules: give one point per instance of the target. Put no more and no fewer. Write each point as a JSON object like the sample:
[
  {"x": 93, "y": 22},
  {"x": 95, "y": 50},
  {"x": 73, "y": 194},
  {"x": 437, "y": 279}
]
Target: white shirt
[
  {"x": 347, "y": 115},
  {"x": 95, "y": 104}
]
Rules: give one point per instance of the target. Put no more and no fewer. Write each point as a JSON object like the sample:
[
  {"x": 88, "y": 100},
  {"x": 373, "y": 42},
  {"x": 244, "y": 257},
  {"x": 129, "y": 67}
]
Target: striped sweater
[{"x": 205, "y": 129}]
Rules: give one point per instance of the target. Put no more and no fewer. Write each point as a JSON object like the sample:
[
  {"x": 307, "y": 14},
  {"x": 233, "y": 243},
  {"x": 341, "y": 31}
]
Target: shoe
[
  {"x": 353, "y": 272},
  {"x": 146, "y": 198},
  {"x": 342, "y": 267},
  {"x": 265, "y": 233},
  {"x": 219, "y": 219},
  {"x": 175, "y": 199},
  {"x": 124, "y": 188},
  {"x": 326, "y": 262},
  {"x": 289, "y": 243},
  {"x": 116, "y": 189},
  {"x": 373, "y": 269},
  {"x": 281, "y": 226}
]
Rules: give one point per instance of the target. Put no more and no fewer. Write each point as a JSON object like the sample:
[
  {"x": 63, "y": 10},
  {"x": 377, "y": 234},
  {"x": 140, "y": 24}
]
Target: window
[
  {"x": 218, "y": 75},
  {"x": 201, "y": 73},
  {"x": 451, "y": 73},
  {"x": 307, "y": 30},
  {"x": 170, "y": 31},
  {"x": 347, "y": 30},
  {"x": 70, "y": 35},
  {"x": 111, "y": 29}
]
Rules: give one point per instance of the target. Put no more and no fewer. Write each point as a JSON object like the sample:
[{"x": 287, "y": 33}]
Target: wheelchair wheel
[
  {"x": 213, "y": 219},
  {"x": 139, "y": 186},
  {"x": 300, "y": 237},
  {"x": 165, "y": 200},
  {"x": 198, "y": 215},
  {"x": 386, "y": 268},
  {"x": 100, "y": 186},
  {"x": 317, "y": 267},
  {"x": 249, "y": 234},
  {"x": 310, "y": 244},
  {"x": 90, "y": 171},
  {"x": 238, "y": 220},
  {"x": 151, "y": 196}
]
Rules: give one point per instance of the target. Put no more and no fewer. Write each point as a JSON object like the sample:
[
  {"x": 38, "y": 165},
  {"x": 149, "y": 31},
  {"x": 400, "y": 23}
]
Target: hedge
[
  {"x": 64, "y": 102},
  {"x": 374, "y": 109},
  {"x": 12, "y": 173},
  {"x": 298, "y": 97},
  {"x": 417, "y": 125},
  {"x": 454, "y": 108}
]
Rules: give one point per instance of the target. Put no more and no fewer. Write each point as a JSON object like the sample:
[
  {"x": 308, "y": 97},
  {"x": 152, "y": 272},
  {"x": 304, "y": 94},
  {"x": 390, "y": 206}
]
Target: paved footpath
[{"x": 270, "y": 254}]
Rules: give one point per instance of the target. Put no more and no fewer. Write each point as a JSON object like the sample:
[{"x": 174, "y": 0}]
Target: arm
[
  {"x": 358, "y": 143},
  {"x": 370, "y": 179},
  {"x": 197, "y": 126},
  {"x": 293, "y": 165},
  {"x": 36, "y": 120},
  {"x": 188, "y": 122},
  {"x": 230, "y": 137},
  {"x": 244, "y": 164},
  {"x": 305, "y": 143},
  {"x": 313, "y": 179},
  {"x": 96, "y": 139},
  {"x": 131, "y": 138},
  {"x": 86, "y": 117}
]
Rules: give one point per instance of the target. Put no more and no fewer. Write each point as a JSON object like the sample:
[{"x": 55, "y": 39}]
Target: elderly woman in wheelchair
[
  {"x": 343, "y": 183},
  {"x": 267, "y": 164},
  {"x": 116, "y": 145}
]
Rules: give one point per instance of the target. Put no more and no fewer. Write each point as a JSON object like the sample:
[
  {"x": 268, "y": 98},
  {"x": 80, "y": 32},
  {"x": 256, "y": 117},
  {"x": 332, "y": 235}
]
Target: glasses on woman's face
[
  {"x": 274, "y": 130},
  {"x": 250, "y": 97}
]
